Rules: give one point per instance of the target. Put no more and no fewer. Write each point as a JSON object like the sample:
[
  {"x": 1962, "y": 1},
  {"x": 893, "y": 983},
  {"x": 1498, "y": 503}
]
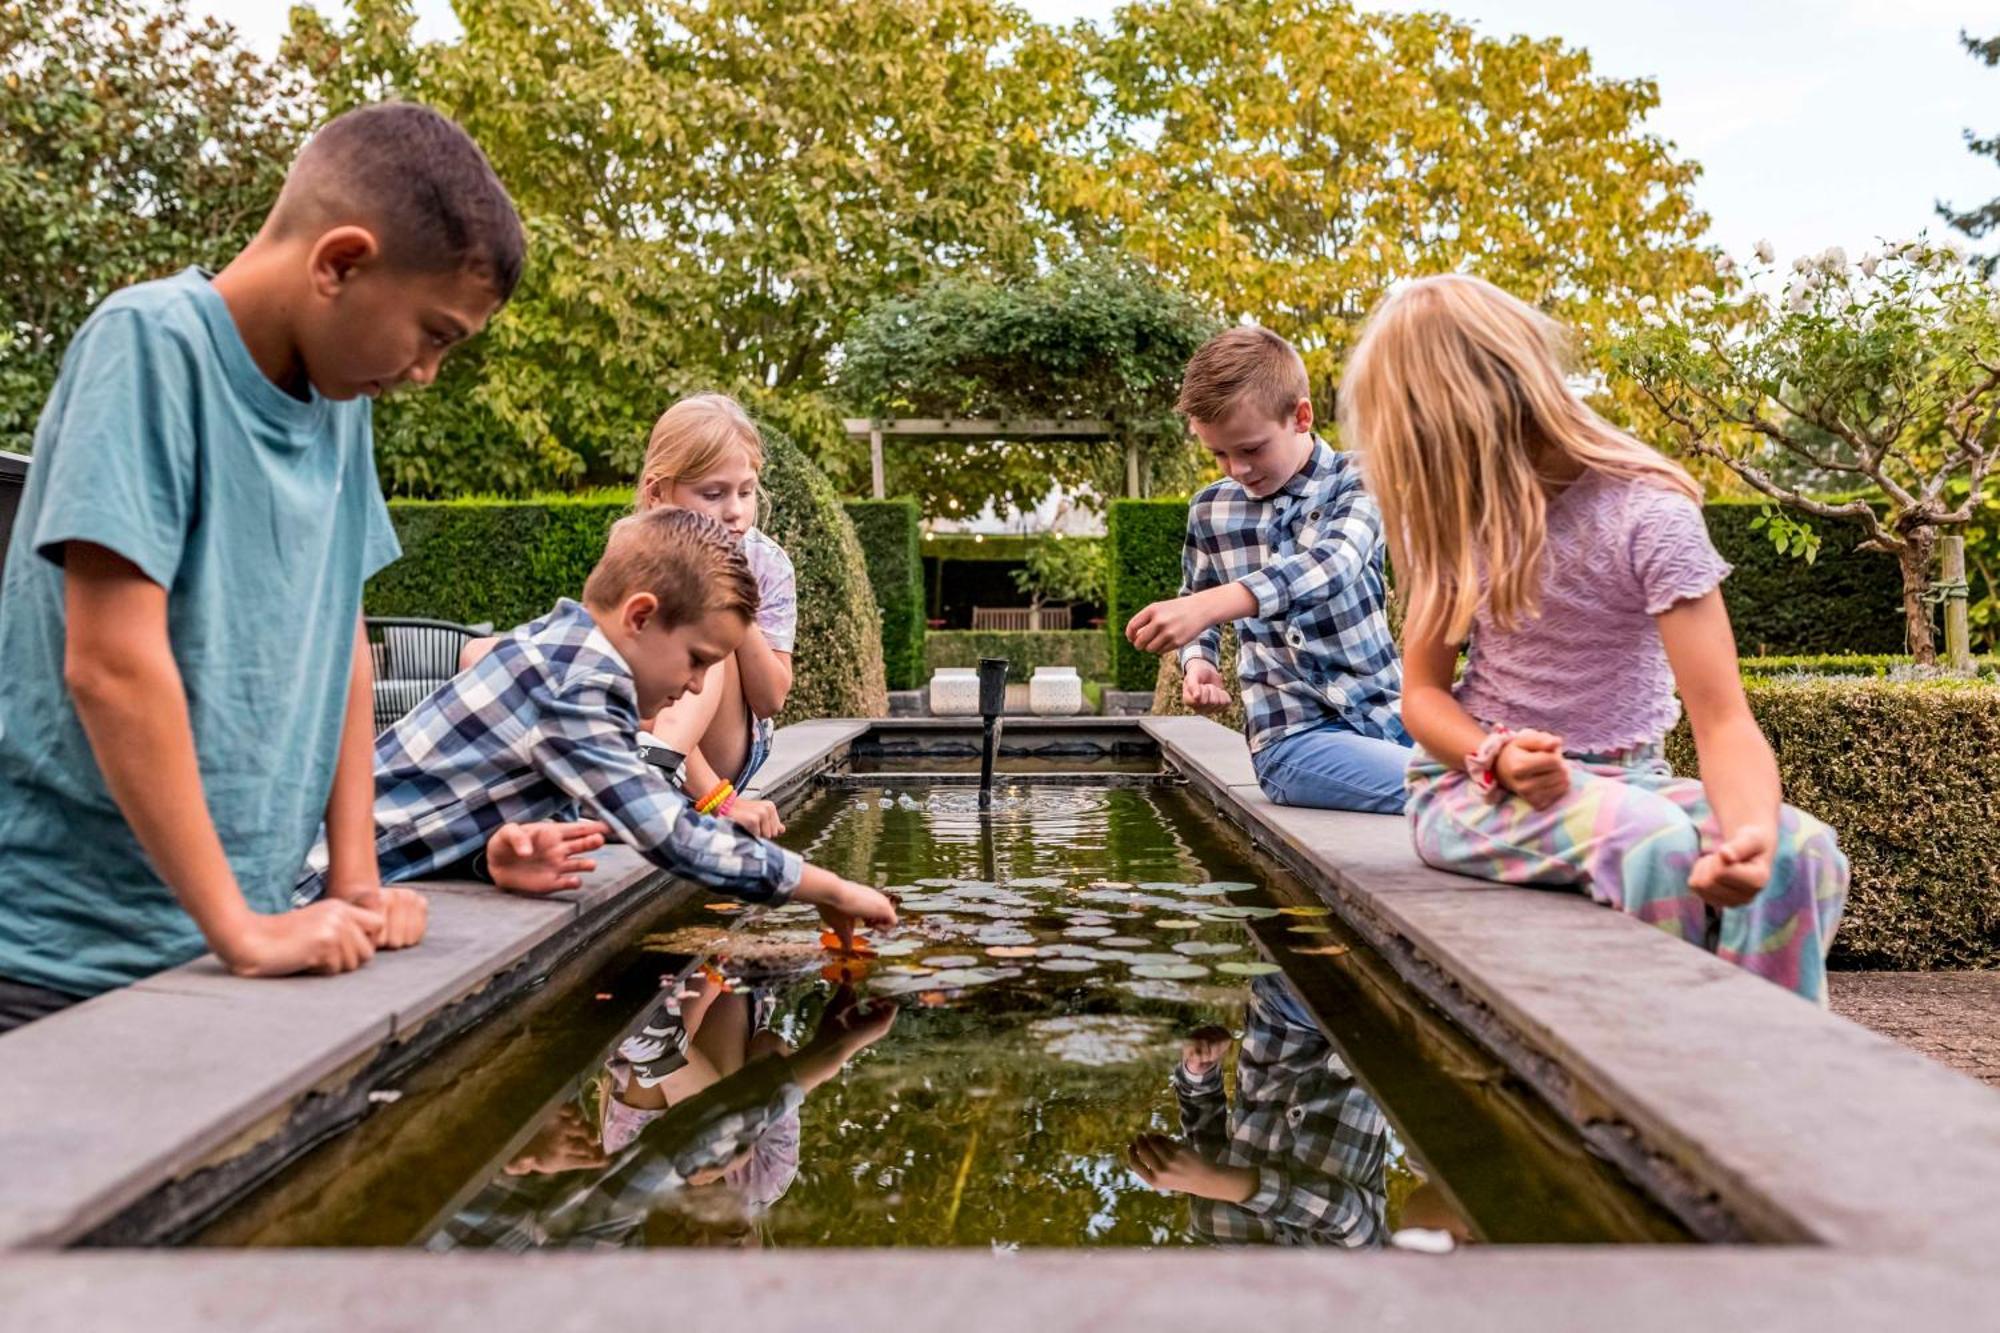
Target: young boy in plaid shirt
[
  {"x": 1288, "y": 546},
  {"x": 551, "y": 718}
]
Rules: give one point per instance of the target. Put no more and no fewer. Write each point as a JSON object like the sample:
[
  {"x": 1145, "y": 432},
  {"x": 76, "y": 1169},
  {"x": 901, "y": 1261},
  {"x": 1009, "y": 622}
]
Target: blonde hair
[
  {"x": 1239, "y": 364},
  {"x": 689, "y": 562},
  {"x": 1453, "y": 390},
  {"x": 693, "y": 438}
]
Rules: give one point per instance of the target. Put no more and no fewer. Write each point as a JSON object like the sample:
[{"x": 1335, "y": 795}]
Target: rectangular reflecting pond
[{"x": 1104, "y": 1020}]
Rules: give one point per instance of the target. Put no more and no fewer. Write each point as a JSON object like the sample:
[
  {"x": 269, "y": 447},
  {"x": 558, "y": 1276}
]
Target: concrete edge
[
  {"x": 1540, "y": 1290},
  {"x": 1804, "y": 1126}
]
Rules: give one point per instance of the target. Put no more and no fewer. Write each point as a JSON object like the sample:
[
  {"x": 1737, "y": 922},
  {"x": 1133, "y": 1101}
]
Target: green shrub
[
  {"x": 1846, "y": 601},
  {"x": 1908, "y": 774},
  {"x": 997, "y": 547},
  {"x": 1847, "y": 664},
  {"x": 1144, "y": 565},
  {"x": 507, "y": 561},
  {"x": 887, "y": 530},
  {"x": 1084, "y": 649}
]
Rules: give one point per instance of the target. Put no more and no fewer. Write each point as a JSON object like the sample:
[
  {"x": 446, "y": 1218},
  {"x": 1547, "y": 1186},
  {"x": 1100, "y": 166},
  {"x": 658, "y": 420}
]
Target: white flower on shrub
[
  {"x": 1648, "y": 303},
  {"x": 1833, "y": 259},
  {"x": 1799, "y": 298},
  {"x": 1725, "y": 266},
  {"x": 1766, "y": 252},
  {"x": 1870, "y": 262},
  {"x": 1700, "y": 298}
]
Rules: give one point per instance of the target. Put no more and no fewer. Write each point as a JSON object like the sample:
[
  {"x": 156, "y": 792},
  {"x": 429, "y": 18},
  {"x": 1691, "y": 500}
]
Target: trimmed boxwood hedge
[
  {"x": 1143, "y": 565},
  {"x": 887, "y": 530},
  {"x": 1084, "y": 649},
  {"x": 1908, "y": 774},
  {"x": 507, "y": 561}
]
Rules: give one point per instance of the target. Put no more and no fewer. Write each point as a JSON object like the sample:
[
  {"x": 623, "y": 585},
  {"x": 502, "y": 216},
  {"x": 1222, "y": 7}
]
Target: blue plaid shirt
[
  {"x": 1311, "y": 554},
  {"x": 547, "y": 720}
]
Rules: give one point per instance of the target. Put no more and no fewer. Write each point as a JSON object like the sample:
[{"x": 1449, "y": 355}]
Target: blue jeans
[{"x": 1334, "y": 767}]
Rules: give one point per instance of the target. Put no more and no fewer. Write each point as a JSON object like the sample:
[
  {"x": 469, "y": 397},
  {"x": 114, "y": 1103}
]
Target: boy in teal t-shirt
[{"x": 188, "y": 692}]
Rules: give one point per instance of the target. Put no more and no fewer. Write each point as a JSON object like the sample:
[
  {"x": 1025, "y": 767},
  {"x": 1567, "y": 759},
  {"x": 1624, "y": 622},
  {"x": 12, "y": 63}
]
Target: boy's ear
[
  {"x": 337, "y": 254},
  {"x": 1302, "y": 416},
  {"x": 638, "y": 611}
]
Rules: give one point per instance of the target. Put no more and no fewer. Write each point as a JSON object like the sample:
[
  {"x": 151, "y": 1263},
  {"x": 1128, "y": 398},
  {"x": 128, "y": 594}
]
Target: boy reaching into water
[
  {"x": 186, "y": 700},
  {"x": 1288, "y": 546},
  {"x": 552, "y": 716}
]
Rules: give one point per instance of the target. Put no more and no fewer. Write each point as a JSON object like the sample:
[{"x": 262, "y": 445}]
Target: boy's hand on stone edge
[
  {"x": 547, "y": 856},
  {"x": 1202, "y": 688},
  {"x": 326, "y": 937},
  {"x": 405, "y": 913}
]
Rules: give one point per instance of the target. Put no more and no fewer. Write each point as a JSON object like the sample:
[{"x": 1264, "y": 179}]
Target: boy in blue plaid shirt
[
  {"x": 1289, "y": 547},
  {"x": 551, "y": 717}
]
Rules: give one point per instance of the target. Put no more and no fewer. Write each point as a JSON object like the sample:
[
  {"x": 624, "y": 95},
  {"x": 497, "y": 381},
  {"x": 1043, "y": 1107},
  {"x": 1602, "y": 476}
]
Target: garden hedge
[
  {"x": 507, "y": 561},
  {"x": 1908, "y": 774},
  {"x": 1143, "y": 558},
  {"x": 986, "y": 547},
  {"x": 1085, "y": 649},
  {"x": 1846, "y": 601},
  {"x": 887, "y": 530}
]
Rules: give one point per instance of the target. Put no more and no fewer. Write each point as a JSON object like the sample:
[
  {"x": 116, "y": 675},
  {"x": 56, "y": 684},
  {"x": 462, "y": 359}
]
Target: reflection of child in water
[
  {"x": 1299, "y": 1160},
  {"x": 698, "y": 1136}
]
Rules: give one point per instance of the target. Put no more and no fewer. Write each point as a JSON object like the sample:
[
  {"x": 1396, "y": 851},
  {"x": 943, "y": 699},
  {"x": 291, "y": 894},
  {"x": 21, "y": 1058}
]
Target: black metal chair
[{"x": 411, "y": 658}]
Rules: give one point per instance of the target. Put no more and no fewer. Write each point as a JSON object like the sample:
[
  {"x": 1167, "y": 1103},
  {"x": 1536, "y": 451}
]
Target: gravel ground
[{"x": 1953, "y": 1017}]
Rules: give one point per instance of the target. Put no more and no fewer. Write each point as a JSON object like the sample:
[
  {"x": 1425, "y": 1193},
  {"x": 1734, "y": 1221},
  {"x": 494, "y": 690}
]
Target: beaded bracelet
[{"x": 723, "y": 791}]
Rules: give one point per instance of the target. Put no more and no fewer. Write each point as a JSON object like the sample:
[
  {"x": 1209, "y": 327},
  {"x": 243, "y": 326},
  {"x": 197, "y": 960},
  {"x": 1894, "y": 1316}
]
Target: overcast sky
[{"x": 1817, "y": 122}]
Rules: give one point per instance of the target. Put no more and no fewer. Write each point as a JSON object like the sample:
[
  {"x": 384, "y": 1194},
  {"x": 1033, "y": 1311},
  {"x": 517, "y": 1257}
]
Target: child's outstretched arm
[
  {"x": 1737, "y": 766},
  {"x": 119, "y": 666},
  {"x": 1530, "y": 764},
  {"x": 353, "y": 875},
  {"x": 1193, "y": 620}
]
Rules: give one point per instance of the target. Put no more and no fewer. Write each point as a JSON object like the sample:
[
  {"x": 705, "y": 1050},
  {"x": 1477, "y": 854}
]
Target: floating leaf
[
  {"x": 1088, "y": 932},
  {"x": 724, "y": 907},
  {"x": 1012, "y": 951},
  {"x": 1170, "y": 971},
  {"x": 1233, "y": 913},
  {"x": 1324, "y": 950},
  {"x": 1200, "y": 890},
  {"x": 1178, "y": 923},
  {"x": 1109, "y": 884},
  {"x": 1301, "y": 910},
  {"x": 965, "y": 976},
  {"x": 910, "y": 969},
  {"x": 1067, "y": 965},
  {"x": 951, "y": 960},
  {"x": 1259, "y": 969},
  {"x": 1123, "y": 942},
  {"x": 1312, "y": 928},
  {"x": 1196, "y": 947},
  {"x": 1229, "y": 886},
  {"x": 898, "y": 948}
]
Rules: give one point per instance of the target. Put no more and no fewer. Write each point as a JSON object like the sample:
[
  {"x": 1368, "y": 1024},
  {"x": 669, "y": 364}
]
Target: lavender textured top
[{"x": 1591, "y": 667}]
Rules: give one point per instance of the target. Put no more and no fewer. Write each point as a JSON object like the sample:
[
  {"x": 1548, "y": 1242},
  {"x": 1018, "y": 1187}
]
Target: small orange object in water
[
  {"x": 725, "y": 907},
  {"x": 846, "y": 972},
  {"x": 861, "y": 948},
  {"x": 604, "y": 995},
  {"x": 931, "y": 999}
]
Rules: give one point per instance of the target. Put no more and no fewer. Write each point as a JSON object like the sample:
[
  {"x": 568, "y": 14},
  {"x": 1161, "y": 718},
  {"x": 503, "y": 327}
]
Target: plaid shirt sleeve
[
  {"x": 1198, "y": 574},
  {"x": 1347, "y": 540},
  {"x": 582, "y": 744},
  {"x": 1204, "y": 1110},
  {"x": 1310, "y": 1201}
]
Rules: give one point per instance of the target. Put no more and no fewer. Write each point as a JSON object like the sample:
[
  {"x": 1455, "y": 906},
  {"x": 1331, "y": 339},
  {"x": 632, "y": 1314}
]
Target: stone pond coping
[
  {"x": 1808, "y": 1127},
  {"x": 1811, "y": 1128}
]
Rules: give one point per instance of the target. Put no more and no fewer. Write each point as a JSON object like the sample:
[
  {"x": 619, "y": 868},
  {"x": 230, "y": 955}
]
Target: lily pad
[
  {"x": 1179, "y": 923},
  {"x": 909, "y": 969},
  {"x": 1324, "y": 950},
  {"x": 1170, "y": 971},
  {"x": 1109, "y": 884},
  {"x": 899, "y": 948},
  {"x": 1258, "y": 969},
  {"x": 1302, "y": 910},
  {"x": 1123, "y": 942},
  {"x": 1012, "y": 951},
  {"x": 950, "y": 960},
  {"x": 1199, "y": 947},
  {"x": 1067, "y": 965},
  {"x": 1312, "y": 928},
  {"x": 1234, "y": 913},
  {"x": 956, "y": 977},
  {"x": 1037, "y": 882},
  {"x": 1199, "y": 890},
  {"x": 1088, "y": 932},
  {"x": 1229, "y": 886}
]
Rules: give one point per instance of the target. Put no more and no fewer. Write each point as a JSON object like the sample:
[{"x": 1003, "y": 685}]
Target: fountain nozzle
[{"x": 992, "y": 703}]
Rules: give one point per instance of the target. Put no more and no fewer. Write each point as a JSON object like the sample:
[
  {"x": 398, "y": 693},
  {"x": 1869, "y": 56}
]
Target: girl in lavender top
[{"x": 1573, "y": 563}]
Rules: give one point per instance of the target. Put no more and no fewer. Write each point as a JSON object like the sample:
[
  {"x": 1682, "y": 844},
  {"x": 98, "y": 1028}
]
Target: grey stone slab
[
  {"x": 1195, "y": 742},
  {"x": 801, "y": 747},
  {"x": 101, "y": 1103},
  {"x": 621, "y": 871},
  {"x": 1864, "y": 1144},
  {"x": 1551, "y": 1290},
  {"x": 469, "y": 938}
]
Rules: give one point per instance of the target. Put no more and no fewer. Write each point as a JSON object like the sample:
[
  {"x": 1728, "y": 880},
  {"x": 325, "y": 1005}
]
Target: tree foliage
[
  {"x": 1096, "y": 337},
  {"x": 1881, "y": 379},
  {"x": 1290, "y": 159},
  {"x": 1982, "y": 219},
  {"x": 134, "y": 140}
]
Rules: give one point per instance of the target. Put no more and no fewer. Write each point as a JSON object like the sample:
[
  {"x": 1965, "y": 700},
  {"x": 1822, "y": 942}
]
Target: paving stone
[
  {"x": 101, "y": 1103},
  {"x": 799, "y": 747},
  {"x": 1496, "y": 1290},
  {"x": 1953, "y": 1017},
  {"x": 1197, "y": 742},
  {"x": 620, "y": 871},
  {"x": 469, "y": 938}
]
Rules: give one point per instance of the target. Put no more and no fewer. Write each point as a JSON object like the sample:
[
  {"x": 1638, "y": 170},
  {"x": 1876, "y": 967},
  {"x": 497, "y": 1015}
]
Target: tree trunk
[{"x": 1915, "y": 559}]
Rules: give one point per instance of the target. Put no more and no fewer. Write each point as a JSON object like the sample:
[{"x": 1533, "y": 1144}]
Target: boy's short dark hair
[
  {"x": 415, "y": 179},
  {"x": 690, "y": 562},
  {"x": 1243, "y": 363}
]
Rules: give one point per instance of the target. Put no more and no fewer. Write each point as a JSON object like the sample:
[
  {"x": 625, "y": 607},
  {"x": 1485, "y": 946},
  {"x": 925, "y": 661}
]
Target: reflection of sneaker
[{"x": 662, "y": 1033}]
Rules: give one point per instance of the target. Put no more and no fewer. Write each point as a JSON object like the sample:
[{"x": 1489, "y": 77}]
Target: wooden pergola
[{"x": 1084, "y": 429}]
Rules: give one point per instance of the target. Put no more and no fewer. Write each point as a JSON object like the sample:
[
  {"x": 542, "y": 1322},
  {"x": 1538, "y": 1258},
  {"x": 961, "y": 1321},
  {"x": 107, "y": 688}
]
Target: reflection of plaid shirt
[
  {"x": 1316, "y": 1138},
  {"x": 547, "y": 719},
  {"x": 1311, "y": 554},
  {"x": 607, "y": 1209}
]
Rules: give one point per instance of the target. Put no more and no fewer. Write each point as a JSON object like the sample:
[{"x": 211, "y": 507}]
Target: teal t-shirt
[{"x": 261, "y": 516}]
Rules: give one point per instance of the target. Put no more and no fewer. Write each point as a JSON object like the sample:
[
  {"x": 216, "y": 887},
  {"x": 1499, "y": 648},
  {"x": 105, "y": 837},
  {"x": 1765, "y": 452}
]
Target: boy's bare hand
[
  {"x": 758, "y": 817},
  {"x": 1202, "y": 688},
  {"x": 405, "y": 913},
  {"x": 849, "y": 904},
  {"x": 1203, "y": 1050},
  {"x": 544, "y": 857},
  {"x": 1170, "y": 1164},
  {"x": 1165, "y": 626},
  {"x": 1735, "y": 870},
  {"x": 1532, "y": 767},
  {"x": 327, "y": 937}
]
